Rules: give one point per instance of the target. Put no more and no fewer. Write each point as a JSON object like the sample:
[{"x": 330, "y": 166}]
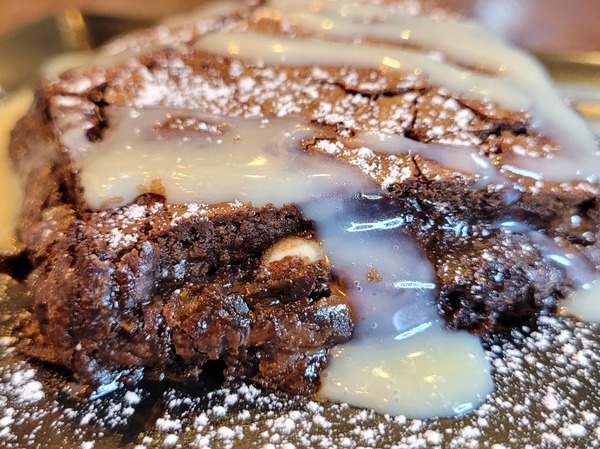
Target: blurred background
[{"x": 540, "y": 25}]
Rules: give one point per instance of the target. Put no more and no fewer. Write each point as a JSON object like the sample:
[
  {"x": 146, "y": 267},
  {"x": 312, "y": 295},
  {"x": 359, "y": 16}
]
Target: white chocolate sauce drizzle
[
  {"x": 402, "y": 359},
  {"x": 408, "y": 363},
  {"x": 252, "y": 150},
  {"x": 255, "y": 147},
  {"x": 518, "y": 82},
  {"x": 262, "y": 162}
]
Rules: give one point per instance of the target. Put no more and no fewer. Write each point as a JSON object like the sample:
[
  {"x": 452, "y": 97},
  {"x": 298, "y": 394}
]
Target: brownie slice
[{"x": 170, "y": 288}]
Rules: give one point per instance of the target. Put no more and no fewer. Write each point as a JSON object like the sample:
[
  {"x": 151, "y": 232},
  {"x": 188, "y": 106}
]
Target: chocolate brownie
[{"x": 140, "y": 277}]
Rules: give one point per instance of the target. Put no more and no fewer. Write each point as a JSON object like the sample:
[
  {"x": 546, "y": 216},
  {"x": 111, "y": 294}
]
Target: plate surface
[
  {"x": 547, "y": 376},
  {"x": 547, "y": 395}
]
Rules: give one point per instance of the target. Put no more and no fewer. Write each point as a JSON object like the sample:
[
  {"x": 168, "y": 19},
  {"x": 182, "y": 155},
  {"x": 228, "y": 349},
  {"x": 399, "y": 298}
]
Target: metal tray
[{"x": 546, "y": 375}]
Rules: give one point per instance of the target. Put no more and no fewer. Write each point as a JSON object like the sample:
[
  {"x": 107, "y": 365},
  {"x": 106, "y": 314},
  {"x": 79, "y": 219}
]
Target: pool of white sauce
[
  {"x": 584, "y": 304},
  {"x": 431, "y": 372}
]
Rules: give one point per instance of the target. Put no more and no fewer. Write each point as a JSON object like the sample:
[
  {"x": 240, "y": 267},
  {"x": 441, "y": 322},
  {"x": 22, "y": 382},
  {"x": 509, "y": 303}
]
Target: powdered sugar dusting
[
  {"x": 547, "y": 396},
  {"x": 121, "y": 228}
]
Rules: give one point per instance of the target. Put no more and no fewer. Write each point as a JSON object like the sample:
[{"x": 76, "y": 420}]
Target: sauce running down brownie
[{"x": 246, "y": 189}]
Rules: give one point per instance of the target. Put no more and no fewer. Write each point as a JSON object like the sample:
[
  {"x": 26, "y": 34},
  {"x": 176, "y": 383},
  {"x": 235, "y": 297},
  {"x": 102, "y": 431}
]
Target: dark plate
[{"x": 547, "y": 375}]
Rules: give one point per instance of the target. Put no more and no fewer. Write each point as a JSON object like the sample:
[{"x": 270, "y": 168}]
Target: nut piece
[{"x": 309, "y": 250}]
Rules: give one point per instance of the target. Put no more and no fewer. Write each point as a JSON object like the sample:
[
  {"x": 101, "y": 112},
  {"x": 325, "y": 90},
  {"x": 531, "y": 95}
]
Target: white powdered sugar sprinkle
[{"x": 547, "y": 396}]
